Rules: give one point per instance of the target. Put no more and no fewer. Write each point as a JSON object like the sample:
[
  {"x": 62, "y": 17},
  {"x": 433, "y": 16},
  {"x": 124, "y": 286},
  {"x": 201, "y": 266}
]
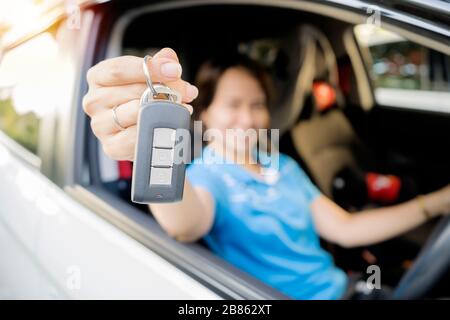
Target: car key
[{"x": 162, "y": 146}]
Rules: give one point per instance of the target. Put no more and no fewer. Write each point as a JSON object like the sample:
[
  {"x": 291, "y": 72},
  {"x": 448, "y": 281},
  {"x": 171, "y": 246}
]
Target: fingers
[
  {"x": 189, "y": 107},
  {"x": 103, "y": 124},
  {"x": 163, "y": 67},
  {"x": 188, "y": 92},
  {"x": 120, "y": 146},
  {"x": 101, "y": 98},
  {"x": 121, "y": 82},
  {"x": 104, "y": 98}
]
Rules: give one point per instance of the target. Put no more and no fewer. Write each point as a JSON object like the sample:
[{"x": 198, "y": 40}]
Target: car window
[
  {"x": 396, "y": 64},
  {"x": 24, "y": 92}
]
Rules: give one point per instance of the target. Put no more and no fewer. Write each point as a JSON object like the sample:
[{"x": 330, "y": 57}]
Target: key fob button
[
  {"x": 162, "y": 157},
  {"x": 161, "y": 176},
  {"x": 164, "y": 137}
]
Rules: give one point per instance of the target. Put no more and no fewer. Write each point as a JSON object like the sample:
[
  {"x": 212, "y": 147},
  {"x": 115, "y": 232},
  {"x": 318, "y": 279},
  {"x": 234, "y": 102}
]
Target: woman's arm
[
  {"x": 371, "y": 226},
  {"x": 189, "y": 219},
  {"x": 119, "y": 82}
]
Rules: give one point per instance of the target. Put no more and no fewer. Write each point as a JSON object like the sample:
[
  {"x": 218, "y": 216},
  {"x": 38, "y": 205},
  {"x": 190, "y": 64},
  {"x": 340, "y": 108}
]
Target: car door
[
  {"x": 25, "y": 117},
  {"x": 52, "y": 246},
  {"x": 85, "y": 255}
]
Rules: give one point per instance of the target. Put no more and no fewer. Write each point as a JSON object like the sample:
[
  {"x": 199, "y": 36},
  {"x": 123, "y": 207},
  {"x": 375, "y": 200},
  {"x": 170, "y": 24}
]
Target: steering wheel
[{"x": 430, "y": 265}]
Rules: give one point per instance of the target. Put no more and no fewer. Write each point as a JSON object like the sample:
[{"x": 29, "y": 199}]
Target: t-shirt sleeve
[
  {"x": 199, "y": 176},
  {"x": 310, "y": 190}
]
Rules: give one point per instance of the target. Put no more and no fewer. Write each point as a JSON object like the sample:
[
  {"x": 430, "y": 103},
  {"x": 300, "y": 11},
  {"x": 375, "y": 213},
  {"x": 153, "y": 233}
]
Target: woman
[{"x": 271, "y": 228}]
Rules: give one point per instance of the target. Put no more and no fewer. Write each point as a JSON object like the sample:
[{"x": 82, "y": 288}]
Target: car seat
[{"x": 318, "y": 134}]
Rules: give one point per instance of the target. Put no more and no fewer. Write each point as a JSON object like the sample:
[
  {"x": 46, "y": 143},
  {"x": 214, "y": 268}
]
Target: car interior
[{"x": 340, "y": 143}]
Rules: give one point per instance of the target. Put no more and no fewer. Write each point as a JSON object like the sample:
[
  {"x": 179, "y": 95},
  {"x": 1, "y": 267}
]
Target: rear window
[
  {"x": 395, "y": 62},
  {"x": 404, "y": 73}
]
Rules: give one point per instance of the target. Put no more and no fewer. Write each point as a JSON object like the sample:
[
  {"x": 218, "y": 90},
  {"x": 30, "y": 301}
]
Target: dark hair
[{"x": 210, "y": 72}]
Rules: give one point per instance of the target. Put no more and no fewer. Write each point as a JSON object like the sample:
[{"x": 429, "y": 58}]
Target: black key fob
[{"x": 162, "y": 149}]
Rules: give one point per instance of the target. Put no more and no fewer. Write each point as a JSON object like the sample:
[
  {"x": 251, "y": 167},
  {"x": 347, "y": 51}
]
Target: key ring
[
  {"x": 148, "y": 79},
  {"x": 116, "y": 120},
  {"x": 158, "y": 88}
]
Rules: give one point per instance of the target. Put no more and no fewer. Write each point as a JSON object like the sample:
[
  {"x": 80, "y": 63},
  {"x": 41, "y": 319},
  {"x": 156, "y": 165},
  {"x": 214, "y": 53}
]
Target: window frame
[{"x": 20, "y": 151}]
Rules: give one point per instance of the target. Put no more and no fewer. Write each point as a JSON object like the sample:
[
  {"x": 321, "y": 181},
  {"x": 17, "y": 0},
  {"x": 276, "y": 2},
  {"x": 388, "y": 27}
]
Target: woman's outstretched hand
[{"x": 119, "y": 82}]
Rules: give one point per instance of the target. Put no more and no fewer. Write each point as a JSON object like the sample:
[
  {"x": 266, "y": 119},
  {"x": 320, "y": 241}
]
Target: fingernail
[
  {"x": 192, "y": 92},
  {"x": 171, "y": 70},
  {"x": 190, "y": 108}
]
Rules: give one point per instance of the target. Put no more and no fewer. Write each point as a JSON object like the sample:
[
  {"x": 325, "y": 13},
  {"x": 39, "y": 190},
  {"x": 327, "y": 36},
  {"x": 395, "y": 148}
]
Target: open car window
[{"x": 398, "y": 66}]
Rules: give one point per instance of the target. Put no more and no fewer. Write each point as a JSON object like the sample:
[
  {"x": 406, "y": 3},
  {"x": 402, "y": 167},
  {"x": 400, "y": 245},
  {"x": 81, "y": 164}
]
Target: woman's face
[{"x": 239, "y": 103}]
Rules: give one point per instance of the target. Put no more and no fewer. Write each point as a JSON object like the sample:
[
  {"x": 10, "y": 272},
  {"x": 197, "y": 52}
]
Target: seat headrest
[{"x": 311, "y": 58}]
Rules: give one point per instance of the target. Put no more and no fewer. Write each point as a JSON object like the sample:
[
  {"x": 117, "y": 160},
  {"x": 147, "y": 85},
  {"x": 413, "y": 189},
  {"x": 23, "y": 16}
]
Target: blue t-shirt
[{"x": 266, "y": 228}]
